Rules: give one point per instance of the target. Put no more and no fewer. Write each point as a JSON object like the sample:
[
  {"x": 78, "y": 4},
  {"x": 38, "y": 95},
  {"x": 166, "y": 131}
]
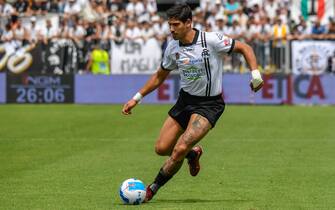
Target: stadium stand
[{"x": 267, "y": 25}]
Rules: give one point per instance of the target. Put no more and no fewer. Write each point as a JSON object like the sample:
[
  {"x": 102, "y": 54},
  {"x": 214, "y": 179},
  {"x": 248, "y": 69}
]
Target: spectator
[
  {"x": 236, "y": 30},
  {"x": 160, "y": 28},
  {"x": 133, "y": 32},
  {"x": 219, "y": 7},
  {"x": 210, "y": 18},
  {"x": 208, "y": 27},
  {"x": 263, "y": 37},
  {"x": 135, "y": 8},
  {"x": 71, "y": 7},
  {"x": 270, "y": 8},
  {"x": 33, "y": 35},
  {"x": 83, "y": 3},
  {"x": 257, "y": 13},
  {"x": 300, "y": 31},
  {"x": 245, "y": 8},
  {"x": 232, "y": 7},
  {"x": 279, "y": 31},
  {"x": 64, "y": 27},
  {"x": 198, "y": 18},
  {"x": 147, "y": 32},
  {"x": 208, "y": 5},
  {"x": 6, "y": 9},
  {"x": 117, "y": 32},
  {"x": 220, "y": 25},
  {"x": 7, "y": 35},
  {"x": 266, "y": 28},
  {"x": 54, "y": 7},
  {"x": 61, "y": 6},
  {"x": 150, "y": 7},
  {"x": 49, "y": 32},
  {"x": 318, "y": 30},
  {"x": 77, "y": 32},
  {"x": 19, "y": 34},
  {"x": 21, "y": 6},
  {"x": 90, "y": 14},
  {"x": 90, "y": 32},
  {"x": 103, "y": 31},
  {"x": 242, "y": 18},
  {"x": 331, "y": 28},
  {"x": 99, "y": 8},
  {"x": 38, "y": 7},
  {"x": 116, "y": 5},
  {"x": 251, "y": 3},
  {"x": 283, "y": 15}
]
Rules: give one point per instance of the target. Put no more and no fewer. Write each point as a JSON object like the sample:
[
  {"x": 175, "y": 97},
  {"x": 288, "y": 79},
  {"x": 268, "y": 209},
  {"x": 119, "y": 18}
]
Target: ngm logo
[{"x": 42, "y": 80}]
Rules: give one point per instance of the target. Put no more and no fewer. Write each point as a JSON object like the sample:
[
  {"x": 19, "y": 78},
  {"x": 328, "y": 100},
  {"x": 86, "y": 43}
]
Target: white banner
[
  {"x": 136, "y": 57},
  {"x": 311, "y": 56}
]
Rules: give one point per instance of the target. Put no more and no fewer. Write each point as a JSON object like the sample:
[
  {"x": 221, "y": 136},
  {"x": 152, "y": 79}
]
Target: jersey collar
[{"x": 195, "y": 39}]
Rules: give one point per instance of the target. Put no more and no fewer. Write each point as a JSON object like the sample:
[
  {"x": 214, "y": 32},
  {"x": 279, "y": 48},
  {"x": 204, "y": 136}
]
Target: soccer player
[{"x": 197, "y": 55}]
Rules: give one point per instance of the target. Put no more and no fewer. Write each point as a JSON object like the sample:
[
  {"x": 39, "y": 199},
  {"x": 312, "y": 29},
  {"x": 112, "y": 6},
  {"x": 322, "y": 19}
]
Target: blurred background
[{"x": 87, "y": 51}]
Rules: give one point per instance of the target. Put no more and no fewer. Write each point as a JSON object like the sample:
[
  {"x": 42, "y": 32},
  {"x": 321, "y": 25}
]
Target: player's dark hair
[{"x": 180, "y": 12}]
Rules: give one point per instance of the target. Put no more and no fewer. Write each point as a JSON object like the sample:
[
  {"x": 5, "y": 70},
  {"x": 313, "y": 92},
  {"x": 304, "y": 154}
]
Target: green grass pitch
[{"x": 76, "y": 156}]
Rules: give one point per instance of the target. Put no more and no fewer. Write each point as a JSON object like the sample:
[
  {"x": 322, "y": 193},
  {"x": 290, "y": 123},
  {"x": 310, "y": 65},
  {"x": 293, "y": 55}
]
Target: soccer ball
[{"x": 132, "y": 191}]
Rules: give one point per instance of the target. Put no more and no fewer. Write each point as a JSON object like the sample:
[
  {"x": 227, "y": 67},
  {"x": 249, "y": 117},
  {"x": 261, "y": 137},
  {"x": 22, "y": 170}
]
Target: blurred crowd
[
  {"x": 134, "y": 19},
  {"x": 88, "y": 22}
]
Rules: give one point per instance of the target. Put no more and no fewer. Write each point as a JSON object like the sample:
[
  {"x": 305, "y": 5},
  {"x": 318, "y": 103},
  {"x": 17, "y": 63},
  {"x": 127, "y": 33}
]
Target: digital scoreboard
[{"x": 35, "y": 89}]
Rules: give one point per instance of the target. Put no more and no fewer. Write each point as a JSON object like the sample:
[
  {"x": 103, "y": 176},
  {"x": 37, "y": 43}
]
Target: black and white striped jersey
[{"x": 200, "y": 62}]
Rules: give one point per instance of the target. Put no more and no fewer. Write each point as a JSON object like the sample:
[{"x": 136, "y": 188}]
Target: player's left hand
[{"x": 256, "y": 82}]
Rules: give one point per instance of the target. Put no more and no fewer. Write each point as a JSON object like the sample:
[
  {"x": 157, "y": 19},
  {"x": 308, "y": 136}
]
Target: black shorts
[{"x": 210, "y": 107}]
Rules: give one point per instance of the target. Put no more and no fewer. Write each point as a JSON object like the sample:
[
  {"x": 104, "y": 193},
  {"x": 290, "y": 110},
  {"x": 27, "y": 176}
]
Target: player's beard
[{"x": 174, "y": 36}]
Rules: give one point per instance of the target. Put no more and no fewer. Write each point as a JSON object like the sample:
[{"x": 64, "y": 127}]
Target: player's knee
[
  {"x": 179, "y": 152},
  {"x": 161, "y": 150}
]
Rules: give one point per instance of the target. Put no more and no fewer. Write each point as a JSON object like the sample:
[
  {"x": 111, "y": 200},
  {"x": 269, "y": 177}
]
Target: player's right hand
[{"x": 126, "y": 110}]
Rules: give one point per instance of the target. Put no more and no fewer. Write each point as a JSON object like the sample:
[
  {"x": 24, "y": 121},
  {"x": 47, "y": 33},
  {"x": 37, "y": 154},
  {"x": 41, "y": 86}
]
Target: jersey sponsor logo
[
  {"x": 205, "y": 53},
  {"x": 188, "y": 49},
  {"x": 188, "y": 61},
  {"x": 193, "y": 73}
]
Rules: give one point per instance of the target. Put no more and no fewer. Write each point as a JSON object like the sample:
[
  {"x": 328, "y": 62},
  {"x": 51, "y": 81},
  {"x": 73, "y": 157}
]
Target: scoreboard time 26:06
[{"x": 40, "y": 88}]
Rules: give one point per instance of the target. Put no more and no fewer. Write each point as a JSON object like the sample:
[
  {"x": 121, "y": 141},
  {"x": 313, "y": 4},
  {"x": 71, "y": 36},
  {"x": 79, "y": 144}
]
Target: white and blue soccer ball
[{"x": 132, "y": 191}]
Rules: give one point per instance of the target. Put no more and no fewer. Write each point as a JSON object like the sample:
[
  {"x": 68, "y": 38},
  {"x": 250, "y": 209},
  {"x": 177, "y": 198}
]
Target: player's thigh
[
  {"x": 197, "y": 128},
  {"x": 168, "y": 136}
]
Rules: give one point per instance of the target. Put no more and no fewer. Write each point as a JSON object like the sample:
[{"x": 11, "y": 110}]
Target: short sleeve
[
  {"x": 223, "y": 43},
  {"x": 169, "y": 61}
]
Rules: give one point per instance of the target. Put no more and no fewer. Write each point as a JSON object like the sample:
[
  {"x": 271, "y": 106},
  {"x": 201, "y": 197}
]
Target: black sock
[
  {"x": 191, "y": 155},
  {"x": 160, "y": 180}
]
